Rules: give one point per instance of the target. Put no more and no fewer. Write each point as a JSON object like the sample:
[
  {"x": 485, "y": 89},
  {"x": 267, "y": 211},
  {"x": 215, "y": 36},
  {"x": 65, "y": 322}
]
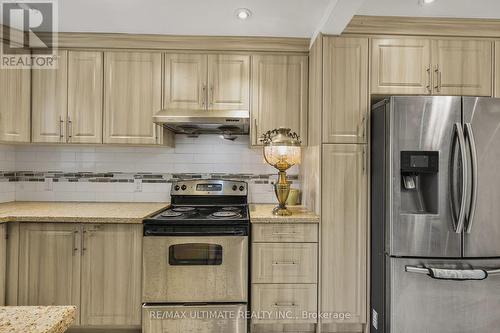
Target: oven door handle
[{"x": 197, "y": 233}]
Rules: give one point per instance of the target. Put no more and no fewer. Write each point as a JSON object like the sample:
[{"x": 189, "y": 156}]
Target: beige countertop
[
  {"x": 36, "y": 319},
  {"x": 263, "y": 213},
  {"x": 80, "y": 212}
]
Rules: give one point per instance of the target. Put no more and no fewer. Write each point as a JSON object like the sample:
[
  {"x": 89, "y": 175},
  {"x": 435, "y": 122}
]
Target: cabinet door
[
  {"x": 462, "y": 67},
  {"x": 344, "y": 232},
  {"x": 15, "y": 105},
  {"x": 85, "y": 71},
  {"x": 228, "y": 82},
  {"x": 345, "y": 90},
  {"x": 132, "y": 95},
  {"x": 111, "y": 275},
  {"x": 49, "y": 264},
  {"x": 49, "y": 102},
  {"x": 497, "y": 69},
  {"x": 185, "y": 81},
  {"x": 279, "y": 94},
  {"x": 401, "y": 66},
  {"x": 3, "y": 261}
]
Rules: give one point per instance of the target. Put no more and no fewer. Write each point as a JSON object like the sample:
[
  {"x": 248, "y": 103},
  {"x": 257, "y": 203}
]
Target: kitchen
[{"x": 292, "y": 166}]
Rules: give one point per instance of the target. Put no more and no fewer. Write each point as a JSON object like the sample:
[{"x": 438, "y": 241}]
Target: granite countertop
[
  {"x": 263, "y": 213},
  {"x": 79, "y": 212},
  {"x": 36, "y": 319}
]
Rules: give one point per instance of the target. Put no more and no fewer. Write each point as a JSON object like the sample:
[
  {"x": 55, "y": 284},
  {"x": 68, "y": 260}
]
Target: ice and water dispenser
[{"x": 419, "y": 182}]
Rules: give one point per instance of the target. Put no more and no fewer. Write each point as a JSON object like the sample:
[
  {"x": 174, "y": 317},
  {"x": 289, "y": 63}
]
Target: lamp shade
[{"x": 282, "y": 148}]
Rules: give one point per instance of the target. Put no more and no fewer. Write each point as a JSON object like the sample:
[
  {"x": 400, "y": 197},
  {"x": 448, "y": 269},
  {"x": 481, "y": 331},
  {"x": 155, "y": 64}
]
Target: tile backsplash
[{"x": 104, "y": 173}]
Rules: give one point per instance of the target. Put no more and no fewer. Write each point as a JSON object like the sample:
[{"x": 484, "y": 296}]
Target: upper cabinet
[
  {"x": 401, "y": 66},
  {"x": 462, "y": 67},
  {"x": 49, "y": 102},
  {"x": 279, "y": 94},
  {"x": 438, "y": 67},
  {"x": 207, "y": 82},
  {"x": 345, "y": 90},
  {"x": 15, "y": 105},
  {"x": 85, "y": 92},
  {"x": 497, "y": 69},
  {"x": 132, "y": 95},
  {"x": 67, "y": 101}
]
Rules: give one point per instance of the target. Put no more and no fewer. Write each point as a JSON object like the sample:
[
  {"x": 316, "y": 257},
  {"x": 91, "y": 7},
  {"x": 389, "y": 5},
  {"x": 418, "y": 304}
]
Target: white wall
[
  {"x": 7, "y": 164},
  {"x": 205, "y": 156}
]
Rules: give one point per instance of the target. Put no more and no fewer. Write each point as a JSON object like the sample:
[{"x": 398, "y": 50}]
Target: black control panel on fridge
[{"x": 414, "y": 162}]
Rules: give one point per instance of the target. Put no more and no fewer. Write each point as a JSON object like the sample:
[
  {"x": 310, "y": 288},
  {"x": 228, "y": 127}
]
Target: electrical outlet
[
  {"x": 48, "y": 186},
  {"x": 138, "y": 185}
]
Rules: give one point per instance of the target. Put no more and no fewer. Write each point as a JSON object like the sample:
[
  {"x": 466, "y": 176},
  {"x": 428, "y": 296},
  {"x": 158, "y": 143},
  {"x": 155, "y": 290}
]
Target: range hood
[{"x": 194, "y": 122}]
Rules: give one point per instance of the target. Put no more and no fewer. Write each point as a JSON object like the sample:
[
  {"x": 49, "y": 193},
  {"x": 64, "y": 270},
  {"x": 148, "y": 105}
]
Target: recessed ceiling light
[
  {"x": 243, "y": 13},
  {"x": 426, "y": 2}
]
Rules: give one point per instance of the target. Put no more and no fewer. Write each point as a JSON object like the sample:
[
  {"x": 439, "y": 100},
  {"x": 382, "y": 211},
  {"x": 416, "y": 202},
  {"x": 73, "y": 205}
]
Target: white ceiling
[
  {"x": 439, "y": 8},
  {"x": 288, "y": 18}
]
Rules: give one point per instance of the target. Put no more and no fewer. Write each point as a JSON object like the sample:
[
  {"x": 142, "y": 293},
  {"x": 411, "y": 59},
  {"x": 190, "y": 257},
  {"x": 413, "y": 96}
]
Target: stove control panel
[{"x": 209, "y": 187}]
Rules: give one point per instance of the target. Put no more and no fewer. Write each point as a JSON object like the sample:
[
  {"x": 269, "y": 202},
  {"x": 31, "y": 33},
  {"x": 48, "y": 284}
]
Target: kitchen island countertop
[
  {"x": 36, "y": 319},
  {"x": 263, "y": 213},
  {"x": 78, "y": 212}
]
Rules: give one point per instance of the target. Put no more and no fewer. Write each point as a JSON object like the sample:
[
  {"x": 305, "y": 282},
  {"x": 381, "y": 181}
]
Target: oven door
[
  {"x": 195, "y": 269},
  {"x": 224, "y": 318}
]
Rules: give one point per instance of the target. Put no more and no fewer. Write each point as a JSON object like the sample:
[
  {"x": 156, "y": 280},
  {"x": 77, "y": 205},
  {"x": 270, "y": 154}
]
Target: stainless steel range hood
[{"x": 194, "y": 122}]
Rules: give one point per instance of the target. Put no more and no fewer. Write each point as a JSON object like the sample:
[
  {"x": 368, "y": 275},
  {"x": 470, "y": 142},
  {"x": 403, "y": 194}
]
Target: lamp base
[{"x": 281, "y": 211}]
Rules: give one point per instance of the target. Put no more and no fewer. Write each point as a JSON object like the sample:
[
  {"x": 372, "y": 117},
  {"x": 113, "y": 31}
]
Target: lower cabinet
[
  {"x": 97, "y": 268},
  {"x": 284, "y": 275},
  {"x": 344, "y": 234}
]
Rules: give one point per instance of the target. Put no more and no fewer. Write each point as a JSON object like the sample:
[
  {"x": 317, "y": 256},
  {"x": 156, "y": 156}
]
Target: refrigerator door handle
[
  {"x": 426, "y": 271},
  {"x": 459, "y": 225},
  {"x": 469, "y": 134}
]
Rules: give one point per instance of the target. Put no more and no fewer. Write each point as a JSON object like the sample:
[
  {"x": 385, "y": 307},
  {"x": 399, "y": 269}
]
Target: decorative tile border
[{"x": 120, "y": 177}]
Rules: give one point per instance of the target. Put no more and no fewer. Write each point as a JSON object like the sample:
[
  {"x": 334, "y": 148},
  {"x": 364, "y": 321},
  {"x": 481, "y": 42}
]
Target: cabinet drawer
[
  {"x": 284, "y": 263},
  {"x": 285, "y": 233},
  {"x": 285, "y": 303}
]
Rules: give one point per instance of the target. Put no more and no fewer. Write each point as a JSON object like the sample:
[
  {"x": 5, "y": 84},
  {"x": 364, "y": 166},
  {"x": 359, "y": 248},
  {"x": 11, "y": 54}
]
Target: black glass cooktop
[{"x": 194, "y": 215}]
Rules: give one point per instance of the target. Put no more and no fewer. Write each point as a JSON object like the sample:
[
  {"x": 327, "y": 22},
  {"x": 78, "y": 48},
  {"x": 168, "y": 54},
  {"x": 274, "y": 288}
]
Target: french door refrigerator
[{"x": 435, "y": 215}]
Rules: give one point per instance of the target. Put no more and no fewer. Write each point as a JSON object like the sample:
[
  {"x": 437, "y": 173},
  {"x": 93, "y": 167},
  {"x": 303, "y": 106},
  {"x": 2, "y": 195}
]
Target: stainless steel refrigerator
[{"x": 435, "y": 215}]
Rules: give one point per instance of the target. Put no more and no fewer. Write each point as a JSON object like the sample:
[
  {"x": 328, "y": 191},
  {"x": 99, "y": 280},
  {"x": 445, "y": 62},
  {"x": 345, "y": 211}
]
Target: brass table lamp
[{"x": 282, "y": 151}]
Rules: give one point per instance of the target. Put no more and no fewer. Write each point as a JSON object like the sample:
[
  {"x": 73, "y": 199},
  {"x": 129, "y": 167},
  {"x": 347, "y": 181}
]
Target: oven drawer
[
  {"x": 195, "y": 269},
  {"x": 284, "y": 263},
  {"x": 184, "y": 319},
  {"x": 284, "y": 303},
  {"x": 285, "y": 233}
]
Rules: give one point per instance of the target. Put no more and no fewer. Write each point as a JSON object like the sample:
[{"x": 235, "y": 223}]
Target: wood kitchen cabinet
[
  {"x": 97, "y": 268},
  {"x": 15, "y": 112},
  {"x": 497, "y": 69},
  {"x": 207, "y": 82},
  {"x": 85, "y": 93},
  {"x": 345, "y": 90},
  {"x": 111, "y": 275},
  {"x": 344, "y": 229},
  {"x": 132, "y": 95},
  {"x": 3, "y": 261},
  {"x": 462, "y": 67},
  {"x": 49, "y": 264},
  {"x": 50, "y": 102},
  {"x": 279, "y": 94},
  {"x": 431, "y": 66},
  {"x": 67, "y": 101},
  {"x": 401, "y": 66}
]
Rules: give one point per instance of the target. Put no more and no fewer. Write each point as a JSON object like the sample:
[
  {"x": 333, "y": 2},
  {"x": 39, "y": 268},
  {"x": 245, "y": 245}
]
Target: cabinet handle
[
  {"x": 363, "y": 161},
  {"x": 284, "y": 233},
  {"x": 211, "y": 98},
  {"x": 75, "y": 248},
  {"x": 429, "y": 80},
  {"x": 285, "y": 305},
  {"x": 256, "y": 134},
  {"x": 362, "y": 125},
  {"x": 284, "y": 263},
  {"x": 84, "y": 232},
  {"x": 438, "y": 79},
  {"x": 203, "y": 95},
  {"x": 70, "y": 129},
  {"x": 61, "y": 135}
]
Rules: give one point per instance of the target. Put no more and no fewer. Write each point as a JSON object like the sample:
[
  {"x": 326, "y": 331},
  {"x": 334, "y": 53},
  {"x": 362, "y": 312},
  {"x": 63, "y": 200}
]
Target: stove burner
[
  {"x": 231, "y": 208},
  {"x": 224, "y": 214},
  {"x": 170, "y": 213},
  {"x": 183, "y": 209}
]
